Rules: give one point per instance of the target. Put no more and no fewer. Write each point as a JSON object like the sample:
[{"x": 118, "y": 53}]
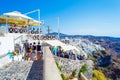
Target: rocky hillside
[
  {"x": 106, "y": 60},
  {"x": 107, "y": 64},
  {"x": 112, "y": 47},
  {"x": 85, "y": 46}
]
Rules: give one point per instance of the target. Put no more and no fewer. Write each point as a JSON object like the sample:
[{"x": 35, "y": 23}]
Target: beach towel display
[
  {"x": 16, "y": 31},
  {"x": 34, "y": 37},
  {"x": 10, "y": 30},
  {"x": 21, "y": 30},
  {"x": 37, "y": 32},
  {"x": 32, "y": 32}
]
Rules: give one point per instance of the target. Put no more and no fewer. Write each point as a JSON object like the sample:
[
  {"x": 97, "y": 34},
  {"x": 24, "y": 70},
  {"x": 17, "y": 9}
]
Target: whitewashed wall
[{"x": 6, "y": 44}]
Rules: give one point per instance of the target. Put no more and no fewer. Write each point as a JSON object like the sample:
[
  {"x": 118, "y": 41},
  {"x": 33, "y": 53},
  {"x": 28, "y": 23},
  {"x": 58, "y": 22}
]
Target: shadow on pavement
[{"x": 36, "y": 71}]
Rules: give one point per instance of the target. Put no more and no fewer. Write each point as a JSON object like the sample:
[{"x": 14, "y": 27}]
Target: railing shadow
[{"x": 36, "y": 71}]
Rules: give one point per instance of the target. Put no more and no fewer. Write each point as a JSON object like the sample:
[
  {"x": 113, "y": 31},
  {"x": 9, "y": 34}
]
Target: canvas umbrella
[
  {"x": 15, "y": 14},
  {"x": 18, "y": 22}
]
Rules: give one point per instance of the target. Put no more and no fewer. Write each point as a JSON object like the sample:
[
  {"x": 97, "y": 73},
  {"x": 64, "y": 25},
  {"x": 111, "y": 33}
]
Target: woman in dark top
[
  {"x": 39, "y": 51},
  {"x": 34, "y": 47}
]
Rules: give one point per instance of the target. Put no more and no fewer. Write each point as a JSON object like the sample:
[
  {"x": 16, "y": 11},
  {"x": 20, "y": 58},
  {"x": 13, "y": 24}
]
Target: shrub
[
  {"x": 64, "y": 77},
  {"x": 98, "y": 75},
  {"x": 83, "y": 69},
  {"x": 73, "y": 73},
  {"x": 79, "y": 74},
  {"x": 58, "y": 66}
]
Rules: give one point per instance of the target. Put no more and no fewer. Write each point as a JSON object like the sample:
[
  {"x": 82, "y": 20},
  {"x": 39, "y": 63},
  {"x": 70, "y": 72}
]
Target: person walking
[
  {"x": 39, "y": 51},
  {"x": 55, "y": 50},
  {"x": 31, "y": 54},
  {"x": 34, "y": 49},
  {"x": 26, "y": 49}
]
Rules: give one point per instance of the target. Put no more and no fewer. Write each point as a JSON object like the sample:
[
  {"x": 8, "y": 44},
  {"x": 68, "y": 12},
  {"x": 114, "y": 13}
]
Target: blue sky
[{"x": 84, "y": 17}]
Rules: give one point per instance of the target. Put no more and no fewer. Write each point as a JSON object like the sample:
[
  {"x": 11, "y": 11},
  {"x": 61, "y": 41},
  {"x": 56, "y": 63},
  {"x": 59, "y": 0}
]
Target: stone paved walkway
[
  {"x": 26, "y": 70},
  {"x": 36, "y": 72}
]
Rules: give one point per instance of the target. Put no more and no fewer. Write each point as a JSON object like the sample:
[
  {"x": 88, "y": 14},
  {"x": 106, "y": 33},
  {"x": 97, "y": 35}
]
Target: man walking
[{"x": 26, "y": 49}]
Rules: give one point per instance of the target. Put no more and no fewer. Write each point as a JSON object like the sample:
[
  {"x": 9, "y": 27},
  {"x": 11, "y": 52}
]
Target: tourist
[
  {"x": 10, "y": 55},
  {"x": 19, "y": 49},
  {"x": 34, "y": 48},
  {"x": 70, "y": 54},
  {"x": 78, "y": 57},
  {"x": 55, "y": 50},
  {"x": 83, "y": 57},
  {"x": 62, "y": 54},
  {"x": 31, "y": 52},
  {"x": 73, "y": 56},
  {"x": 50, "y": 48},
  {"x": 39, "y": 51},
  {"x": 15, "y": 29},
  {"x": 26, "y": 46},
  {"x": 66, "y": 55},
  {"x": 26, "y": 49},
  {"x": 59, "y": 52}
]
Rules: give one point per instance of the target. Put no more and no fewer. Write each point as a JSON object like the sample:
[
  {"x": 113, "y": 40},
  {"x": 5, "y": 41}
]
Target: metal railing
[
  {"x": 21, "y": 36},
  {"x": 20, "y": 41},
  {"x": 2, "y": 31},
  {"x": 2, "y": 56}
]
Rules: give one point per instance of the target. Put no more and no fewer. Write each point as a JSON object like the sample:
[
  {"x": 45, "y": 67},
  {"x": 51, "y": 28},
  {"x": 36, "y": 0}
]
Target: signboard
[{"x": 6, "y": 44}]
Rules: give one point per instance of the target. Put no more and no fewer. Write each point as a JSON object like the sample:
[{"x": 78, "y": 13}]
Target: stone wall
[
  {"x": 69, "y": 65},
  {"x": 51, "y": 71}
]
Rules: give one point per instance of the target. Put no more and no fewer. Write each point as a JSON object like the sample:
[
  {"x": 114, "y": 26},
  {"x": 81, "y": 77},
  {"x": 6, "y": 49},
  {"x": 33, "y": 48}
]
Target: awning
[
  {"x": 64, "y": 46},
  {"x": 69, "y": 47},
  {"x": 11, "y": 21},
  {"x": 54, "y": 42},
  {"x": 17, "y": 15},
  {"x": 17, "y": 18}
]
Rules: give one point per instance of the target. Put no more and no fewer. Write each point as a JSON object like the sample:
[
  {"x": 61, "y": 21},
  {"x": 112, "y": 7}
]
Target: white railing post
[
  {"x": 6, "y": 24},
  {"x": 58, "y": 29}
]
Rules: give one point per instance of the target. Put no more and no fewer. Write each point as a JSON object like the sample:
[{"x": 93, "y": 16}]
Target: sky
[{"x": 83, "y": 17}]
